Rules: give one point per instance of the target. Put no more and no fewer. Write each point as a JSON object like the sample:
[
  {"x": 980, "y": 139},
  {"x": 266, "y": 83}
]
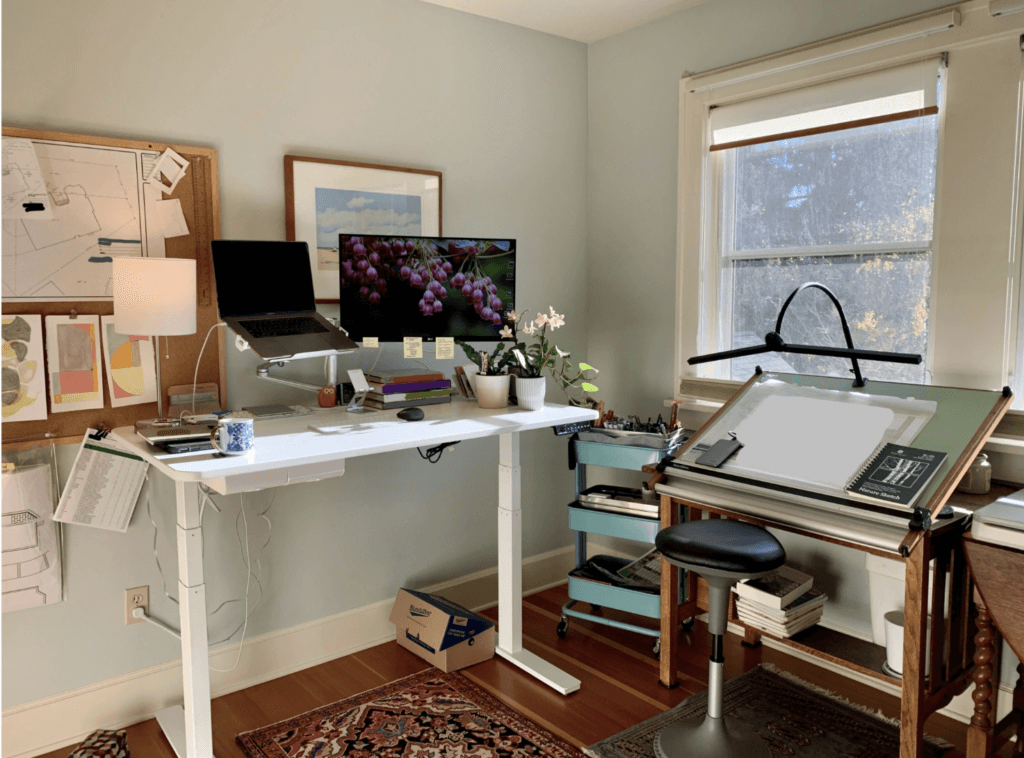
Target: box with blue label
[{"x": 442, "y": 633}]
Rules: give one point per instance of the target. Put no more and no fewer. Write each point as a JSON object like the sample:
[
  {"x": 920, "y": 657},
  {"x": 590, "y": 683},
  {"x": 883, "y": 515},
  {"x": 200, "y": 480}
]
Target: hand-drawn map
[{"x": 100, "y": 203}]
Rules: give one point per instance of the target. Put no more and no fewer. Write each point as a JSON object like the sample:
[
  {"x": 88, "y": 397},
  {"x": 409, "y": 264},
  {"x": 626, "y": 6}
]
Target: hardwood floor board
[{"x": 618, "y": 671}]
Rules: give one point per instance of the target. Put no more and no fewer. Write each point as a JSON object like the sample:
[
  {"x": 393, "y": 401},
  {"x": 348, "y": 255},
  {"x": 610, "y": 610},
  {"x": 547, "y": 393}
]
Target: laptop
[{"x": 265, "y": 294}]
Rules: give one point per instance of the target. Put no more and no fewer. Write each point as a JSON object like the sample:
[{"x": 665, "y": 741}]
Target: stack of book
[
  {"x": 406, "y": 388},
  {"x": 780, "y": 604},
  {"x": 1001, "y": 522}
]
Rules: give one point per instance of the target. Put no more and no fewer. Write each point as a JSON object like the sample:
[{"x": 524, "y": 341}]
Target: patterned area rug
[
  {"x": 427, "y": 715},
  {"x": 793, "y": 717}
]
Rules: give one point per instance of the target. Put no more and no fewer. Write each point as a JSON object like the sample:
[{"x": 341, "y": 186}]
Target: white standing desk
[{"x": 288, "y": 452}]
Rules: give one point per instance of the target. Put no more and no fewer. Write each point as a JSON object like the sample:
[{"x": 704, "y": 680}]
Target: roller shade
[{"x": 890, "y": 95}]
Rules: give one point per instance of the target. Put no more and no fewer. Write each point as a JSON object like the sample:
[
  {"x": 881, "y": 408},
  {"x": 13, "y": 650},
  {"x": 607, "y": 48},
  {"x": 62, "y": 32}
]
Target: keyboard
[{"x": 282, "y": 327}]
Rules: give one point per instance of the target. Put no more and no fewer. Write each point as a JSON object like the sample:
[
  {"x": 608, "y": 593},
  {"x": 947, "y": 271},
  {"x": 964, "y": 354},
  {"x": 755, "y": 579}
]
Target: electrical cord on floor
[{"x": 433, "y": 454}]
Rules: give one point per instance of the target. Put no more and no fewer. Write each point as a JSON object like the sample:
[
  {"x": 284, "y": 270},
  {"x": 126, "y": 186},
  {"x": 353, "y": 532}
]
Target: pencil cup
[{"x": 233, "y": 436}]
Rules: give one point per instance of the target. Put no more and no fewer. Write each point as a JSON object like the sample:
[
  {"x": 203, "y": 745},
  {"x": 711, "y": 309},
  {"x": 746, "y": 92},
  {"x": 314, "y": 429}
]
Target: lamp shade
[{"x": 154, "y": 296}]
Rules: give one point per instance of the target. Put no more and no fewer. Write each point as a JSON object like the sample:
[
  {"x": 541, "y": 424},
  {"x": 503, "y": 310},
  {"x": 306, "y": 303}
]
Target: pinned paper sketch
[
  {"x": 23, "y": 182},
  {"x": 24, "y": 380},
  {"x": 94, "y": 193},
  {"x": 31, "y": 545},
  {"x": 170, "y": 168},
  {"x": 171, "y": 218},
  {"x": 130, "y": 364},
  {"x": 73, "y": 360}
]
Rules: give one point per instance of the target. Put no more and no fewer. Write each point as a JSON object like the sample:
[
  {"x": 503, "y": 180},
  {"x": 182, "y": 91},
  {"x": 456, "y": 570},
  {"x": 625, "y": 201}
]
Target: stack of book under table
[
  {"x": 405, "y": 388},
  {"x": 780, "y": 604}
]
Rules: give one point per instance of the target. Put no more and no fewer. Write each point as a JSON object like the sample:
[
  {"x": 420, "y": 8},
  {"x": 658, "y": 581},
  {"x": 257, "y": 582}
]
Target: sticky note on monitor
[
  {"x": 370, "y": 342},
  {"x": 412, "y": 347},
  {"x": 444, "y": 348}
]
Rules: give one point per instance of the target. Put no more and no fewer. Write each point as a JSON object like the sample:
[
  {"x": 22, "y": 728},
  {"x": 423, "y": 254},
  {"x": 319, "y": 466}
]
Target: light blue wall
[{"x": 499, "y": 110}]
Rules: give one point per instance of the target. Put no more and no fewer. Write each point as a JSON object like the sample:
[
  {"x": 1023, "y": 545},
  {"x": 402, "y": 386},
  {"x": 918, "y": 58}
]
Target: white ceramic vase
[
  {"x": 530, "y": 392},
  {"x": 492, "y": 391}
]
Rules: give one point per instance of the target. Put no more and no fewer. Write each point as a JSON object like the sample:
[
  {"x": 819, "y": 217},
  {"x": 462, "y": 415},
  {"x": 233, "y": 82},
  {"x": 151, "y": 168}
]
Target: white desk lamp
[{"x": 155, "y": 297}]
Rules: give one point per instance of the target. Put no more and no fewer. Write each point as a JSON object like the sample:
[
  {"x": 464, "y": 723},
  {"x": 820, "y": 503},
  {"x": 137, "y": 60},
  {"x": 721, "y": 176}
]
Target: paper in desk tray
[{"x": 435, "y": 623}]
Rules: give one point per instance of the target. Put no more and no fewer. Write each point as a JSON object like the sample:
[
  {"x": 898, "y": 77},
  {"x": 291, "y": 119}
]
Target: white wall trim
[{"x": 65, "y": 719}]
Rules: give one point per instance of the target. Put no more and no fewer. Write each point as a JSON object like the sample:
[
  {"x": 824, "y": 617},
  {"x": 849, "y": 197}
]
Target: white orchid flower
[
  {"x": 530, "y": 329},
  {"x": 513, "y": 316},
  {"x": 541, "y": 319},
  {"x": 561, "y": 353},
  {"x": 556, "y": 320},
  {"x": 506, "y": 333}
]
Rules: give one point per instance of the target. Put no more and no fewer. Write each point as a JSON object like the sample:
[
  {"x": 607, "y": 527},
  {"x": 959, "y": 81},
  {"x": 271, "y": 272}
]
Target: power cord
[{"x": 433, "y": 454}]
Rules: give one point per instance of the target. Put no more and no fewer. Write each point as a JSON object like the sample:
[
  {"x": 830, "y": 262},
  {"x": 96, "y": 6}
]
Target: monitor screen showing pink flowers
[{"x": 399, "y": 286}]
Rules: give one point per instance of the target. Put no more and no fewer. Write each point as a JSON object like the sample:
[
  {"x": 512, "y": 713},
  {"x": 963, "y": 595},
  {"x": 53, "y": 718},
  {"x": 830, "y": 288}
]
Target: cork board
[{"x": 198, "y": 194}]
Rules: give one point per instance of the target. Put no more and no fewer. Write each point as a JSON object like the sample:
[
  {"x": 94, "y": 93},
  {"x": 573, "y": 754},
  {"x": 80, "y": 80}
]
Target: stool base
[{"x": 709, "y": 738}]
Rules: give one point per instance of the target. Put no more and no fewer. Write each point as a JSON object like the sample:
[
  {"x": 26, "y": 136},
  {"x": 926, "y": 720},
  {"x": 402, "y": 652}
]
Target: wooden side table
[{"x": 998, "y": 574}]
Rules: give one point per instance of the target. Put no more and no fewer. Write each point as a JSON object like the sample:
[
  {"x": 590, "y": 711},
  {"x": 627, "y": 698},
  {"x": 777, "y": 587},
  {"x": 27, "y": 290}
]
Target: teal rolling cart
[{"x": 641, "y": 528}]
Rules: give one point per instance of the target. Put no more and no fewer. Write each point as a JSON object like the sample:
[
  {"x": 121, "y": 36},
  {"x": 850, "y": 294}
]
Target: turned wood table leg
[{"x": 979, "y": 733}]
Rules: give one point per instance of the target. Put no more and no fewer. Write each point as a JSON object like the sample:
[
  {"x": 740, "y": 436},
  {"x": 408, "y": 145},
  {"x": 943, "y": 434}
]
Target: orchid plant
[
  {"x": 494, "y": 363},
  {"x": 542, "y": 354}
]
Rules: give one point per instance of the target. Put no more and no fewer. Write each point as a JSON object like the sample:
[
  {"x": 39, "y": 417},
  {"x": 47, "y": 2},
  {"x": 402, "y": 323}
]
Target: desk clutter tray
[{"x": 627, "y": 450}]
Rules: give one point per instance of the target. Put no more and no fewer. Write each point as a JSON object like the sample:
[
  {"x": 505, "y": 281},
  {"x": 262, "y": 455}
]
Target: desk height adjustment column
[
  {"x": 190, "y": 729},
  {"x": 510, "y": 573}
]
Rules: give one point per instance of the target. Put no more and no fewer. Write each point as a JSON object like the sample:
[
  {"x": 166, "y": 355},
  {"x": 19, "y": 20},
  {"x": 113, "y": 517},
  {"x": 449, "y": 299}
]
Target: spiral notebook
[{"x": 895, "y": 475}]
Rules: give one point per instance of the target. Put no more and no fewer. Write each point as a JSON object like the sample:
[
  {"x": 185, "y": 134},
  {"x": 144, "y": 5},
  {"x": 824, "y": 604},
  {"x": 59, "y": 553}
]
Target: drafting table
[
  {"x": 947, "y": 419},
  {"x": 288, "y": 452}
]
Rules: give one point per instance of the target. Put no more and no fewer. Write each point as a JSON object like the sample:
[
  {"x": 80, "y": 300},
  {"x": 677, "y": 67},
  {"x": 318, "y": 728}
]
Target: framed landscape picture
[{"x": 325, "y": 198}]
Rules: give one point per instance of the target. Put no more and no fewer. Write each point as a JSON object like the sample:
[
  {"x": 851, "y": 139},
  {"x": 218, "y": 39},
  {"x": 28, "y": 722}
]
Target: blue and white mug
[{"x": 233, "y": 436}]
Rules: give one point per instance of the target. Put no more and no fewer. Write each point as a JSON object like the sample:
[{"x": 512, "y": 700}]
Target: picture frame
[{"x": 325, "y": 198}]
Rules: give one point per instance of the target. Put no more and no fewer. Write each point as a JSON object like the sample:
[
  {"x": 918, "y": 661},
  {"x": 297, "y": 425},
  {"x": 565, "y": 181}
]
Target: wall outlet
[{"x": 137, "y": 597}]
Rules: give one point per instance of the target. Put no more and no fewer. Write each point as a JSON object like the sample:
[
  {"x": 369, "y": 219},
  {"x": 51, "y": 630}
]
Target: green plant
[
  {"x": 490, "y": 364},
  {"x": 543, "y": 355}
]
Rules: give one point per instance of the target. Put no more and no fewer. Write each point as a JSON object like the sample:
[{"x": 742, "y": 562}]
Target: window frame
[{"x": 959, "y": 31}]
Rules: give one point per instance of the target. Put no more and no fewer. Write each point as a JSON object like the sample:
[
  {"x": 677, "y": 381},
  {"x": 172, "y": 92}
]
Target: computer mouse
[{"x": 410, "y": 414}]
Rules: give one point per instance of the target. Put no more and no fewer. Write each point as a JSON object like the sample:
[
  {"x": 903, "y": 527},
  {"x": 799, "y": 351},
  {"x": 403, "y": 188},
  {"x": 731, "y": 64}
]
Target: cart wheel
[
  {"x": 657, "y": 646},
  {"x": 686, "y": 625},
  {"x": 563, "y": 628}
]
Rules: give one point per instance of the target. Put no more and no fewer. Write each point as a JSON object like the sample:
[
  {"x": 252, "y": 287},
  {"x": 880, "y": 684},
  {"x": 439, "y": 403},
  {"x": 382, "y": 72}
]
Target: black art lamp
[{"x": 773, "y": 342}]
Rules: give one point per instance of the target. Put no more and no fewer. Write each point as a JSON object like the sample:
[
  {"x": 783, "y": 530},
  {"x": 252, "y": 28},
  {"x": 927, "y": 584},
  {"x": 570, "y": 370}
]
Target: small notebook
[{"x": 895, "y": 475}]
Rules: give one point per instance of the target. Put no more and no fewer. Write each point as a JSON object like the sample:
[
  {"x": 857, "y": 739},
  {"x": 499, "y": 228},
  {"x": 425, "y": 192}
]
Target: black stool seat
[{"x": 722, "y": 545}]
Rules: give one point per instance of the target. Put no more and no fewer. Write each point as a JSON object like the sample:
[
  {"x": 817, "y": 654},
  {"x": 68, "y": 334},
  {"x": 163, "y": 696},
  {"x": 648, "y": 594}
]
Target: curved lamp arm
[{"x": 859, "y": 379}]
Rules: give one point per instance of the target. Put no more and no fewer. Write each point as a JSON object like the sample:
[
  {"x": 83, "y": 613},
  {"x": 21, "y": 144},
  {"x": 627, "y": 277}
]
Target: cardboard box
[{"x": 442, "y": 633}]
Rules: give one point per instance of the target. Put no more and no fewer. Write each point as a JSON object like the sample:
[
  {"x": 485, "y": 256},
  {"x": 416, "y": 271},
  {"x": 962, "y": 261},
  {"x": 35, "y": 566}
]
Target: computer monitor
[{"x": 400, "y": 286}]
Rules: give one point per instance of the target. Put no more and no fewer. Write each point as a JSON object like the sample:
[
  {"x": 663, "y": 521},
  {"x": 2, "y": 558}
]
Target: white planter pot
[
  {"x": 530, "y": 392},
  {"x": 492, "y": 391}
]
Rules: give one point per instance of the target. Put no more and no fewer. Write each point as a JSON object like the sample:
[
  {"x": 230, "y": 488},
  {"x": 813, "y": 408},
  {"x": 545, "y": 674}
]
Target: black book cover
[{"x": 896, "y": 475}]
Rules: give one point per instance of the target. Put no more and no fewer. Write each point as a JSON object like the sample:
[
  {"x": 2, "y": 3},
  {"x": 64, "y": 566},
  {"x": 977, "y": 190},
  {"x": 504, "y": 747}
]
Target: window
[{"x": 850, "y": 209}]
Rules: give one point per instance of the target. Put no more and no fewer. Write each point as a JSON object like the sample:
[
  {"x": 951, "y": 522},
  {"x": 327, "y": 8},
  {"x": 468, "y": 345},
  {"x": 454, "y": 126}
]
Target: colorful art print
[
  {"x": 325, "y": 198},
  {"x": 73, "y": 361},
  {"x": 130, "y": 363},
  {"x": 24, "y": 379}
]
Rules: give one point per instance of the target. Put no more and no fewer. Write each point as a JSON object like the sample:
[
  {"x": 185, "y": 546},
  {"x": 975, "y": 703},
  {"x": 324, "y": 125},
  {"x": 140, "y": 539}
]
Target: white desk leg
[
  {"x": 194, "y": 737},
  {"x": 510, "y": 573}
]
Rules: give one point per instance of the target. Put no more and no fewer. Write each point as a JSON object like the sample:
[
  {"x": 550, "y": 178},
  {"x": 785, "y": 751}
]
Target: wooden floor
[{"x": 618, "y": 670}]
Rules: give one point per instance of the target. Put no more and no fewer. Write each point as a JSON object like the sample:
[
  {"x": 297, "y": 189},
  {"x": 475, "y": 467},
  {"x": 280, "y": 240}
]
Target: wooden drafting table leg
[
  {"x": 510, "y": 573},
  {"x": 980, "y": 731},
  {"x": 915, "y": 615},
  {"x": 190, "y": 730},
  {"x": 669, "y": 603}
]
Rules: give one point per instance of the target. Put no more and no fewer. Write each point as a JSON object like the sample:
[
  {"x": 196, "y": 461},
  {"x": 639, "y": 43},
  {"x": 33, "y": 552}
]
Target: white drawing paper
[
  {"x": 95, "y": 198},
  {"x": 129, "y": 361},
  {"x": 169, "y": 169},
  {"x": 23, "y": 181},
  {"x": 73, "y": 362},
  {"x": 31, "y": 545},
  {"x": 24, "y": 376},
  {"x": 171, "y": 217}
]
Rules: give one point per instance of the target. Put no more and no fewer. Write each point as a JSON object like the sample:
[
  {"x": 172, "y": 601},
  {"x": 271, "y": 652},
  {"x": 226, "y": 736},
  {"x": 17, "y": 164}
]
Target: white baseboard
[{"x": 65, "y": 719}]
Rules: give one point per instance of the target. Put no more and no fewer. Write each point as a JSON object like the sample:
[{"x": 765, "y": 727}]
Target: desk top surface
[{"x": 289, "y": 442}]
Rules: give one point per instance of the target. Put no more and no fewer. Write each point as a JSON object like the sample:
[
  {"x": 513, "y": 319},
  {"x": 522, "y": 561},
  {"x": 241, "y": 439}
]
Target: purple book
[{"x": 439, "y": 384}]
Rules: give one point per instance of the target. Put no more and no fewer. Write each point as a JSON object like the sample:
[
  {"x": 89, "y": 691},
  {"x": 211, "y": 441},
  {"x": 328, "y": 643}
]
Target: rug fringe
[{"x": 866, "y": 710}]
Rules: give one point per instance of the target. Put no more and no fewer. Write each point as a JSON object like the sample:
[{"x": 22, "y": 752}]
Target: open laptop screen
[{"x": 262, "y": 277}]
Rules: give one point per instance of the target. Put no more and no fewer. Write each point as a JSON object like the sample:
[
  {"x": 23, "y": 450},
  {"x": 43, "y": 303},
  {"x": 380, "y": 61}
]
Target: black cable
[{"x": 433, "y": 454}]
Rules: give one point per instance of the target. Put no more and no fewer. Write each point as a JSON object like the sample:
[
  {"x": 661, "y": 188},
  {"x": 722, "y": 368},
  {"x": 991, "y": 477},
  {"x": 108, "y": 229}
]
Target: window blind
[{"x": 893, "y": 94}]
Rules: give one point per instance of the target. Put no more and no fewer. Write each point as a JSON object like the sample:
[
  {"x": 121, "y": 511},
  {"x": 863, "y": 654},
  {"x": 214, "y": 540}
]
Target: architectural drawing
[
  {"x": 100, "y": 202},
  {"x": 24, "y": 384},
  {"x": 130, "y": 364},
  {"x": 31, "y": 544},
  {"x": 73, "y": 360}
]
